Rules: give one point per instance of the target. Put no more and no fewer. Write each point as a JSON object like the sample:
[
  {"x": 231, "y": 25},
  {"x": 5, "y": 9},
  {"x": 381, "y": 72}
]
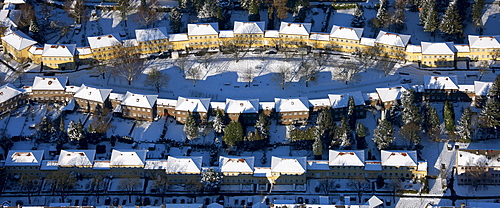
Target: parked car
[{"x": 405, "y": 81}]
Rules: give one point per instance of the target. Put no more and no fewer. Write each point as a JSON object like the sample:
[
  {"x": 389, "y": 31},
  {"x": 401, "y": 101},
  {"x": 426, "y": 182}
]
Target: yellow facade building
[
  {"x": 17, "y": 44},
  {"x": 204, "y": 36},
  {"x": 152, "y": 40}
]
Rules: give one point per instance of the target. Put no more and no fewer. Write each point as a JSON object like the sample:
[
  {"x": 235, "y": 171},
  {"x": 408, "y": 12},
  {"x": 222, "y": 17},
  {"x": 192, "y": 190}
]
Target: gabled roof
[
  {"x": 342, "y": 100},
  {"x": 199, "y": 105},
  {"x": 226, "y": 34},
  {"x": 236, "y": 164},
  {"x": 249, "y": 27},
  {"x": 267, "y": 106},
  {"x": 414, "y": 49},
  {"x": 393, "y": 39},
  {"x": 476, "y": 157},
  {"x": 67, "y": 50},
  {"x": 116, "y": 96},
  {"x": 76, "y": 158},
  {"x": 7, "y": 91},
  {"x": 128, "y": 157},
  {"x": 83, "y": 51},
  {"x": 242, "y": 106},
  {"x": 291, "y": 104},
  {"x": 398, "y": 158},
  {"x": 319, "y": 36},
  {"x": 18, "y": 40},
  {"x": 441, "y": 82},
  {"x": 9, "y": 16},
  {"x": 218, "y": 105},
  {"x": 178, "y": 37},
  {"x": 462, "y": 48},
  {"x": 203, "y": 29},
  {"x": 184, "y": 164},
  {"x": 24, "y": 158},
  {"x": 346, "y": 32},
  {"x": 159, "y": 33},
  {"x": 346, "y": 158},
  {"x": 139, "y": 100},
  {"x": 323, "y": 102},
  {"x": 271, "y": 34},
  {"x": 36, "y": 50},
  {"x": 373, "y": 202},
  {"x": 295, "y": 28},
  {"x": 92, "y": 93},
  {"x": 104, "y": 41},
  {"x": 441, "y": 48},
  {"x": 482, "y": 88},
  {"x": 14, "y": 1},
  {"x": 484, "y": 41},
  {"x": 391, "y": 93},
  {"x": 367, "y": 41},
  {"x": 50, "y": 83},
  {"x": 166, "y": 102},
  {"x": 288, "y": 164}
]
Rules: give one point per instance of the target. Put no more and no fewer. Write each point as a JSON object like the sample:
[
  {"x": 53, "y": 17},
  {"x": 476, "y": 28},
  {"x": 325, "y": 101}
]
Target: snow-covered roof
[
  {"x": 226, "y": 34},
  {"x": 369, "y": 96},
  {"x": 178, "y": 37},
  {"x": 218, "y": 105},
  {"x": 290, "y": 28},
  {"x": 155, "y": 165},
  {"x": 367, "y": 41},
  {"x": 92, "y": 93},
  {"x": 76, "y": 158},
  {"x": 242, "y": 106},
  {"x": 441, "y": 82},
  {"x": 104, "y": 41},
  {"x": 128, "y": 157},
  {"x": 373, "y": 165},
  {"x": 398, "y": 158},
  {"x": 36, "y": 50},
  {"x": 203, "y": 29},
  {"x": 373, "y": 202},
  {"x": 9, "y": 16},
  {"x": 346, "y": 32},
  {"x": 474, "y": 157},
  {"x": 462, "y": 48},
  {"x": 318, "y": 165},
  {"x": 393, "y": 39},
  {"x": 14, "y": 1},
  {"x": 466, "y": 88},
  {"x": 116, "y": 96},
  {"x": 272, "y": 34},
  {"x": 346, "y": 158},
  {"x": 24, "y": 158},
  {"x": 130, "y": 43},
  {"x": 391, "y": 93},
  {"x": 342, "y": 100},
  {"x": 83, "y": 51},
  {"x": 199, "y": 105},
  {"x": 67, "y": 50},
  {"x": 49, "y": 165},
  {"x": 19, "y": 40},
  {"x": 319, "y": 36},
  {"x": 184, "y": 164},
  {"x": 215, "y": 205},
  {"x": 7, "y": 91},
  {"x": 482, "y": 88},
  {"x": 159, "y": 33},
  {"x": 139, "y": 100},
  {"x": 413, "y": 49},
  {"x": 439, "y": 48},
  {"x": 262, "y": 172},
  {"x": 484, "y": 41},
  {"x": 249, "y": 27},
  {"x": 166, "y": 102},
  {"x": 267, "y": 106},
  {"x": 288, "y": 164},
  {"x": 183, "y": 205},
  {"x": 101, "y": 164},
  {"x": 422, "y": 166},
  {"x": 236, "y": 164},
  {"x": 291, "y": 104},
  {"x": 323, "y": 102},
  {"x": 49, "y": 83}
]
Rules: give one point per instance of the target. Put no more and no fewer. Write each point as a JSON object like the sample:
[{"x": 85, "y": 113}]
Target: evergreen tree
[
  {"x": 344, "y": 134},
  {"x": 209, "y": 11},
  {"x": 325, "y": 124},
  {"x": 431, "y": 23},
  {"x": 317, "y": 147},
  {"x": 449, "y": 117},
  {"x": 477, "y": 12},
  {"x": 424, "y": 11},
  {"x": 361, "y": 133},
  {"x": 451, "y": 24},
  {"x": 191, "y": 127},
  {"x": 394, "y": 114},
  {"x": 351, "y": 114},
  {"x": 175, "y": 20},
  {"x": 383, "y": 135},
  {"x": 211, "y": 179},
  {"x": 45, "y": 130},
  {"x": 358, "y": 19},
  {"x": 219, "y": 122},
  {"x": 233, "y": 133},
  {"x": 382, "y": 16},
  {"x": 75, "y": 131},
  {"x": 464, "y": 127},
  {"x": 490, "y": 115},
  {"x": 410, "y": 112},
  {"x": 263, "y": 124},
  {"x": 433, "y": 130}
]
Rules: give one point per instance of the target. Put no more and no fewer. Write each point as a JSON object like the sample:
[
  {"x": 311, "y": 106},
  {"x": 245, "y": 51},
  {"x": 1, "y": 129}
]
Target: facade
[
  {"x": 249, "y": 34},
  {"x": 152, "y": 40},
  {"x": 346, "y": 39},
  {"x": 392, "y": 44},
  {"x": 478, "y": 166},
  {"x": 203, "y": 35},
  {"x": 55, "y": 56},
  {"x": 441, "y": 88},
  {"x": 183, "y": 170},
  {"x": 105, "y": 47},
  {"x": 441, "y": 55},
  {"x": 198, "y": 107},
  {"x": 484, "y": 47},
  {"x": 91, "y": 99},
  {"x": 481, "y": 92},
  {"x": 340, "y": 104},
  {"x": 391, "y": 95},
  {"x": 237, "y": 173},
  {"x": 166, "y": 107},
  {"x": 23, "y": 162},
  {"x": 292, "y": 110},
  {"x": 17, "y": 44},
  {"x": 138, "y": 106},
  {"x": 45, "y": 89},
  {"x": 293, "y": 35},
  {"x": 244, "y": 111},
  {"x": 10, "y": 99}
]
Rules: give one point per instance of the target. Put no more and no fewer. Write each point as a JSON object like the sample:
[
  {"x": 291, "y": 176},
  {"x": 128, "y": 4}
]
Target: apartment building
[
  {"x": 203, "y": 35},
  {"x": 293, "y": 35},
  {"x": 391, "y": 95},
  {"x": 237, "y": 174},
  {"x": 245, "y": 111},
  {"x": 105, "y": 47},
  {"x": 292, "y": 110},
  {"x": 48, "y": 89},
  {"x": 91, "y": 99},
  {"x": 441, "y": 88},
  {"x": 437, "y": 54},
  {"x": 345, "y": 39},
  {"x": 392, "y": 44},
  {"x": 139, "y": 106},
  {"x": 478, "y": 166},
  {"x": 152, "y": 40},
  {"x": 198, "y": 107},
  {"x": 481, "y": 93},
  {"x": 340, "y": 104},
  {"x": 57, "y": 56},
  {"x": 484, "y": 47},
  {"x": 10, "y": 99},
  {"x": 17, "y": 45}
]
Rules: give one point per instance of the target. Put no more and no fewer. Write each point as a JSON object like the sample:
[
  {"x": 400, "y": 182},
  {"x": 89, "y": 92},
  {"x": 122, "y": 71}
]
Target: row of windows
[
  {"x": 137, "y": 109},
  {"x": 151, "y": 42},
  {"x": 48, "y": 92},
  {"x": 57, "y": 59},
  {"x": 438, "y": 57},
  {"x": 136, "y": 115},
  {"x": 202, "y": 37}
]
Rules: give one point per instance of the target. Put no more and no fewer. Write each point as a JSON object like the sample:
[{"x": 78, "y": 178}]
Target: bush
[{"x": 344, "y": 6}]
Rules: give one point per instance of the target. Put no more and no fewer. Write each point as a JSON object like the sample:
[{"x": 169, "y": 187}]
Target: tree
[
  {"x": 130, "y": 185},
  {"x": 410, "y": 112},
  {"x": 432, "y": 123},
  {"x": 219, "y": 122},
  {"x": 361, "y": 133},
  {"x": 191, "y": 127},
  {"x": 326, "y": 185},
  {"x": 209, "y": 11},
  {"x": 175, "y": 20},
  {"x": 127, "y": 63},
  {"x": 263, "y": 124},
  {"x": 211, "y": 179},
  {"x": 325, "y": 124},
  {"x": 184, "y": 66},
  {"x": 477, "y": 173},
  {"x": 358, "y": 19},
  {"x": 394, "y": 186},
  {"x": 161, "y": 185},
  {"x": 248, "y": 75},
  {"x": 490, "y": 115},
  {"x": 308, "y": 72},
  {"x": 346, "y": 71},
  {"x": 125, "y": 7},
  {"x": 27, "y": 14},
  {"x": 397, "y": 21},
  {"x": 351, "y": 114},
  {"x": 483, "y": 67},
  {"x": 29, "y": 185},
  {"x": 451, "y": 23},
  {"x": 75, "y": 131},
  {"x": 233, "y": 133},
  {"x": 449, "y": 117},
  {"x": 98, "y": 185},
  {"x": 360, "y": 185},
  {"x": 100, "y": 66},
  {"x": 343, "y": 134},
  {"x": 383, "y": 135},
  {"x": 465, "y": 127},
  {"x": 147, "y": 12},
  {"x": 282, "y": 76},
  {"x": 382, "y": 15},
  {"x": 156, "y": 79},
  {"x": 317, "y": 148},
  {"x": 76, "y": 9},
  {"x": 61, "y": 182},
  {"x": 45, "y": 130},
  {"x": 431, "y": 23},
  {"x": 193, "y": 73},
  {"x": 411, "y": 132}
]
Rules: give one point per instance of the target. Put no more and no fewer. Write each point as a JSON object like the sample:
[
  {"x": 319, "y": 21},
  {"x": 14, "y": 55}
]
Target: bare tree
[
  {"x": 161, "y": 185},
  {"x": 394, "y": 186},
  {"x": 61, "y": 183},
  {"x": 321, "y": 60},
  {"x": 193, "y": 73},
  {"x": 156, "y": 79},
  {"x": 233, "y": 48},
  {"x": 98, "y": 185},
  {"x": 76, "y": 9},
  {"x": 130, "y": 185},
  {"x": 308, "y": 72},
  {"x": 483, "y": 67},
  {"x": 248, "y": 75},
  {"x": 205, "y": 60},
  {"x": 100, "y": 66},
  {"x": 282, "y": 76},
  {"x": 385, "y": 65},
  {"x": 360, "y": 185},
  {"x": 411, "y": 133},
  {"x": 184, "y": 65},
  {"x": 127, "y": 63},
  {"x": 346, "y": 71},
  {"x": 102, "y": 120},
  {"x": 477, "y": 172},
  {"x": 326, "y": 185},
  {"x": 29, "y": 185},
  {"x": 147, "y": 12},
  {"x": 27, "y": 14},
  {"x": 125, "y": 7}
]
